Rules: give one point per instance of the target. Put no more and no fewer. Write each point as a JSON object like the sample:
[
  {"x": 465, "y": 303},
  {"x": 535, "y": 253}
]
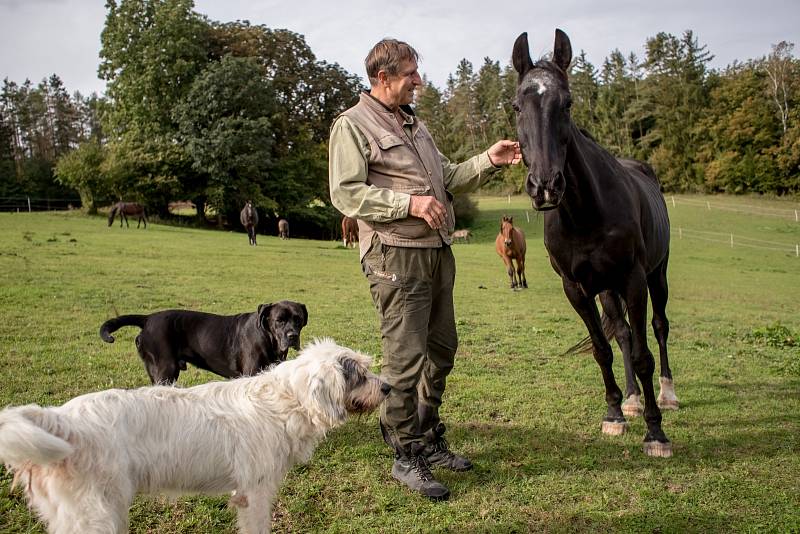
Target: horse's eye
[{"x": 568, "y": 103}]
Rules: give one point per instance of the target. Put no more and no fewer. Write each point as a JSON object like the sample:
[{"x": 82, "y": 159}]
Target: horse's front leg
[
  {"x": 615, "y": 317},
  {"x": 655, "y": 441},
  {"x": 614, "y": 422},
  {"x": 521, "y": 272},
  {"x": 510, "y": 270}
]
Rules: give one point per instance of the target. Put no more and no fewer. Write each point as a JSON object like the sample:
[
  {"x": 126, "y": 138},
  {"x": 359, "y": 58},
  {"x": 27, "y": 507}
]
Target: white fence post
[
  {"x": 673, "y": 202},
  {"x": 708, "y": 204},
  {"x": 731, "y": 240},
  {"x": 797, "y": 250},
  {"x": 795, "y": 216},
  {"x": 29, "y": 204},
  {"x": 509, "y": 199}
]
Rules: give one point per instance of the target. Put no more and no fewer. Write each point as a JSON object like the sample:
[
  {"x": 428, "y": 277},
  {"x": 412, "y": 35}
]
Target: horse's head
[
  {"x": 543, "y": 105},
  {"x": 112, "y": 213},
  {"x": 506, "y": 229}
]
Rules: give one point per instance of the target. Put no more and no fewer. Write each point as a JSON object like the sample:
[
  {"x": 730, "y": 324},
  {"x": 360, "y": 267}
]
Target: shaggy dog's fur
[
  {"x": 228, "y": 345},
  {"x": 81, "y": 464}
]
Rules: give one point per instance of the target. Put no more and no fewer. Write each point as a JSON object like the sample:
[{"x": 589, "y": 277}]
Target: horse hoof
[
  {"x": 632, "y": 407},
  {"x": 658, "y": 449},
  {"x": 614, "y": 428},
  {"x": 667, "y": 404}
]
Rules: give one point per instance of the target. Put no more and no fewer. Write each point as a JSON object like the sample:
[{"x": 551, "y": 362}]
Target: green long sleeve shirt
[{"x": 354, "y": 197}]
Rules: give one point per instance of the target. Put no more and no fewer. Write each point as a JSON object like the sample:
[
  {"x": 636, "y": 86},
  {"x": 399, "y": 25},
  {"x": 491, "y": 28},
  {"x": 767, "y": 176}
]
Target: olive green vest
[{"x": 406, "y": 164}]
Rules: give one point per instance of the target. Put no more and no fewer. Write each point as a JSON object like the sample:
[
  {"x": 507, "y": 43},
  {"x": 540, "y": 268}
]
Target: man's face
[{"x": 400, "y": 87}]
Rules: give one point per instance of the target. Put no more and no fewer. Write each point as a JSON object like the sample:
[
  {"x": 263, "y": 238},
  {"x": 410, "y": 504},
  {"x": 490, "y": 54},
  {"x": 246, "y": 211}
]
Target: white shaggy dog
[{"x": 81, "y": 464}]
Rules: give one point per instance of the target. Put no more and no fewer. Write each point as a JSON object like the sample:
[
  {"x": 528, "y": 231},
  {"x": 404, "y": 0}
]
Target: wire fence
[
  {"x": 20, "y": 203},
  {"x": 783, "y": 213},
  {"x": 736, "y": 240}
]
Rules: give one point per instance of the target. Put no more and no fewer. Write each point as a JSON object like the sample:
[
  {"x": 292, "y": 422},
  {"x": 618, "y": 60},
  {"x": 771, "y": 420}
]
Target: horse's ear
[
  {"x": 562, "y": 51},
  {"x": 521, "y": 57}
]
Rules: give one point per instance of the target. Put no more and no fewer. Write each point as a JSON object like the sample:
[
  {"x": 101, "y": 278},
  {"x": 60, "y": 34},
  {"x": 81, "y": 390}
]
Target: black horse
[
  {"x": 607, "y": 233},
  {"x": 249, "y": 219},
  {"x": 123, "y": 209}
]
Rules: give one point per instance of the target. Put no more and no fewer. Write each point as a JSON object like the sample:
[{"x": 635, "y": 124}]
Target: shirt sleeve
[
  {"x": 469, "y": 175},
  {"x": 348, "y": 158}
]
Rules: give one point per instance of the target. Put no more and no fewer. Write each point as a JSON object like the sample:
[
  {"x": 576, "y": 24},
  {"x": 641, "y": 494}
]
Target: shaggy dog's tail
[
  {"x": 25, "y": 438},
  {"x": 112, "y": 325}
]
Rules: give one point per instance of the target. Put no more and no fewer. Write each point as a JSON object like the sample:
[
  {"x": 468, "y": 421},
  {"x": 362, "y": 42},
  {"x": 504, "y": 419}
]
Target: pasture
[{"x": 527, "y": 416}]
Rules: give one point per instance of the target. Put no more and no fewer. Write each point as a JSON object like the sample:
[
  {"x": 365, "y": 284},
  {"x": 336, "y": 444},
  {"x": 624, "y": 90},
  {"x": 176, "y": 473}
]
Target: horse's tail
[
  {"x": 584, "y": 346},
  {"x": 112, "y": 325}
]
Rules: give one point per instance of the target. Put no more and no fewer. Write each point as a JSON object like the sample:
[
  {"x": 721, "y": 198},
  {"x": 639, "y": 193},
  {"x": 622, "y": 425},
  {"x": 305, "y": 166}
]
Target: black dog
[{"x": 228, "y": 345}]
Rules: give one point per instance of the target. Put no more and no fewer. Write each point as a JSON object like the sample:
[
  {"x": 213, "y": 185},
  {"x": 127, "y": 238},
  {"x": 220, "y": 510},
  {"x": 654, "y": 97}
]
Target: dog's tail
[
  {"x": 26, "y": 436},
  {"x": 112, "y": 325}
]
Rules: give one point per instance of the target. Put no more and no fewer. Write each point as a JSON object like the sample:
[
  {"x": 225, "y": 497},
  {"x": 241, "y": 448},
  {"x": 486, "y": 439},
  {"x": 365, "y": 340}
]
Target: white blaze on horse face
[{"x": 539, "y": 82}]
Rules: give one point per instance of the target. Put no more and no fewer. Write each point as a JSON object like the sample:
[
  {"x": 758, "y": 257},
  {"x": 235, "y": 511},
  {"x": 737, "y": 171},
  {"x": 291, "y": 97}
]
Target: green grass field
[{"x": 527, "y": 416}]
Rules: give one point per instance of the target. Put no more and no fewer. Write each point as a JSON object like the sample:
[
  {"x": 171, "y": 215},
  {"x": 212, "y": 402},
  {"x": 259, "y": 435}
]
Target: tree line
[{"x": 224, "y": 112}]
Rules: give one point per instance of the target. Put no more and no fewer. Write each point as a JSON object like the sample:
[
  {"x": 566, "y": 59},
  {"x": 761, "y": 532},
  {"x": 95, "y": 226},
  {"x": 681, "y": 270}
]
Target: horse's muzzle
[{"x": 545, "y": 194}]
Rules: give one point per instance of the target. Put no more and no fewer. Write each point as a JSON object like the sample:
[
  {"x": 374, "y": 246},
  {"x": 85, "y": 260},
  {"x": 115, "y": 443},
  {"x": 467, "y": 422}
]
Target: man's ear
[{"x": 263, "y": 315}]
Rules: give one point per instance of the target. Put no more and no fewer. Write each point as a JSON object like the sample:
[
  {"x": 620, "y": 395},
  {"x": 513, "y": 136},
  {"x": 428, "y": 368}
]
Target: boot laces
[
  {"x": 441, "y": 446},
  {"x": 421, "y": 467}
]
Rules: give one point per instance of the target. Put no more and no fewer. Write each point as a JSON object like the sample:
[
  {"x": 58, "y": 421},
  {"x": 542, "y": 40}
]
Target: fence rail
[
  {"x": 736, "y": 240},
  {"x": 783, "y": 213},
  {"x": 38, "y": 204}
]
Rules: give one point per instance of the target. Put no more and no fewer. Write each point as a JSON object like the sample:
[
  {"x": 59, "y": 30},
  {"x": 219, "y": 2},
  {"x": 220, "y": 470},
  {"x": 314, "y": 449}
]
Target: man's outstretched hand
[{"x": 505, "y": 152}]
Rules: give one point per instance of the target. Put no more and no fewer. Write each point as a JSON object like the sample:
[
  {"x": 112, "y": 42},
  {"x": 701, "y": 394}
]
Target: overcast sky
[{"x": 42, "y": 37}]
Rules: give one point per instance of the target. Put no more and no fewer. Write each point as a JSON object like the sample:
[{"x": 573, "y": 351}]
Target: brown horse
[
  {"x": 349, "y": 231},
  {"x": 249, "y": 219},
  {"x": 123, "y": 209},
  {"x": 283, "y": 229},
  {"x": 510, "y": 245}
]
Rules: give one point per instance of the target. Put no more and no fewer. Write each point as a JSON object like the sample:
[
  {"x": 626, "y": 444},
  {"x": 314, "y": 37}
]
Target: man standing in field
[{"x": 385, "y": 171}]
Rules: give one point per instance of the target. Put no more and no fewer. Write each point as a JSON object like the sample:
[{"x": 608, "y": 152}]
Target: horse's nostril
[
  {"x": 530, "y": 187},
  {"x": 386, "y": 388}
]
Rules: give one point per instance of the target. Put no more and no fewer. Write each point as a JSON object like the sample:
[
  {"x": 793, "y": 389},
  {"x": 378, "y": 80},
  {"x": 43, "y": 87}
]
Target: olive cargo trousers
[{"x": 412, "y": 289}]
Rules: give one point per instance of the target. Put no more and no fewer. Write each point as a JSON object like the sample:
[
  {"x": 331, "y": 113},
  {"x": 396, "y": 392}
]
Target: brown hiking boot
[{"x": 412, "y": 469}]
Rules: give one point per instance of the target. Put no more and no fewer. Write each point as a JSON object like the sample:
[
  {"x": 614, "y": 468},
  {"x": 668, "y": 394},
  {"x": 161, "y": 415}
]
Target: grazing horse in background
[
  {"x": 283, "y": 229},
  {"x": 462, "y": 235},
  {"x": 123, "y": 209},
  {"x": 249, "y": 219},
  {"x": 510, "y": 245},
  {"x": 606, "y": 230},
  {"x": 349, "y": 231}
]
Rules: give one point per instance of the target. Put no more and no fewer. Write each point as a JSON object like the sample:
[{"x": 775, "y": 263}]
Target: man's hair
[{"x": 387, "y": 55}]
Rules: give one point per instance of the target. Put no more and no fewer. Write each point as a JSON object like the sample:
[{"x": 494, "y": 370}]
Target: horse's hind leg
[
  {"x": 657, "y": 283},
  {"x": 614, "y": 422},
  {"x": 614, "y": 323}
]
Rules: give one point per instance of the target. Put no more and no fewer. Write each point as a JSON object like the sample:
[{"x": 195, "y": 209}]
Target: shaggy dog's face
[{"x": 332, "y": 381}]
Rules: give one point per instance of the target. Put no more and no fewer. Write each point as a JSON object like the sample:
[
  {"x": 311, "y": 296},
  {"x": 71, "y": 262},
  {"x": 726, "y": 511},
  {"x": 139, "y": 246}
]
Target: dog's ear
[
  {"x": 326, "y": 393},
  {"x": 263, "y": 315},
  {"x": 305, "y": 314}
]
